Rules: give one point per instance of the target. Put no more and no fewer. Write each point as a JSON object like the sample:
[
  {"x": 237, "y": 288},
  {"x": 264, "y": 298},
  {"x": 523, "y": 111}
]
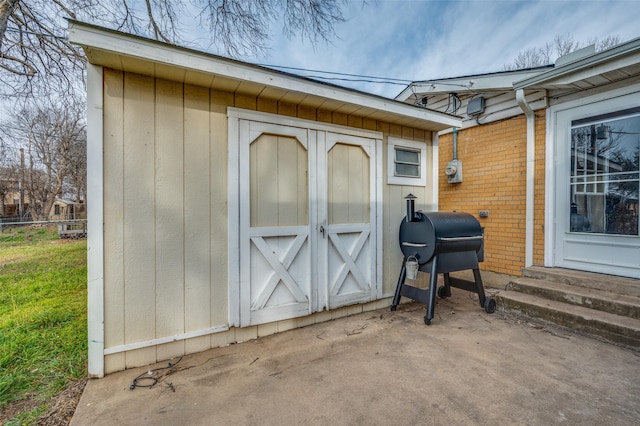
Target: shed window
[{"x": 406, "y": 162}]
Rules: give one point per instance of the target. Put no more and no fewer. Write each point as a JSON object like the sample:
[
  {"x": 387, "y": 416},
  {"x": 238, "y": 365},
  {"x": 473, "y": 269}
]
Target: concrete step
[
  {"x": 614, "y": 284},
  {"x": 618, "y": 304},
  {"x": 612, "y": 327}
]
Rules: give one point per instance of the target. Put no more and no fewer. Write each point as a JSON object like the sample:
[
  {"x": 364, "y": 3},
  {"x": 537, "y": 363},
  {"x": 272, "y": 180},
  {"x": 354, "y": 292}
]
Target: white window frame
[
  {"x": 392, "y": 145},
  {"x": 559, "y": 119}
]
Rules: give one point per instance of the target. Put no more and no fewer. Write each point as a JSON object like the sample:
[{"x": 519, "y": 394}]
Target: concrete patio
[{"x": 385, "y": 367}]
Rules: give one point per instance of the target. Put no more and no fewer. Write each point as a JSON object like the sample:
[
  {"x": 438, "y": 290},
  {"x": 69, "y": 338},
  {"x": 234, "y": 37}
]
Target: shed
[
  {"x": 550, "y": 160},
  {"x": 64, "y": 209},
  {"x": 228, "y": 201}
]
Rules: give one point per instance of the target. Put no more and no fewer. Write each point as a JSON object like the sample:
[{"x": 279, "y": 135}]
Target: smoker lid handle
[
  {"x": 453, "y": 239},
  {"x": 404, "y": 243}
]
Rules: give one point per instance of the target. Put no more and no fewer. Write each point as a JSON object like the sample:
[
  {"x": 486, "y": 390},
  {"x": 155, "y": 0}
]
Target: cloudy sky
[{"x": 428, "y": 39}]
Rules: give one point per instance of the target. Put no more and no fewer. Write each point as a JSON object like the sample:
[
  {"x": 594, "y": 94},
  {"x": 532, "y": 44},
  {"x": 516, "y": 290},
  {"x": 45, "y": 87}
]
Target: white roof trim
[
  {"x": 612, "y": 55},
  {"x": 118, "y": 43},
  {"x": 472, "y": 83}
]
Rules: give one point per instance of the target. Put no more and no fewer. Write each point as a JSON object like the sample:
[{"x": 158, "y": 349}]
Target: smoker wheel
[
  {"x": 490, "y": 305},
  {"x": 442, "y": 292}
]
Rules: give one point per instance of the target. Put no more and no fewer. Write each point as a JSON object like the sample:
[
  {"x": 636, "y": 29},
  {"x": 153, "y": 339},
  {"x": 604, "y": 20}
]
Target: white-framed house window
[{"x": 406, "y": 162}]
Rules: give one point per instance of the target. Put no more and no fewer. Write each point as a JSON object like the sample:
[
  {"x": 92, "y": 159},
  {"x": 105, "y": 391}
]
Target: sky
[{"x": 430, "y": 39}]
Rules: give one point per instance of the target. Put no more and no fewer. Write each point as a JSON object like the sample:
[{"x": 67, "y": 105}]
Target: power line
[
  {"x": 21, "y": 31},
  {"x": 356, "y": 78},
  {"x": 337, "y": 73}
]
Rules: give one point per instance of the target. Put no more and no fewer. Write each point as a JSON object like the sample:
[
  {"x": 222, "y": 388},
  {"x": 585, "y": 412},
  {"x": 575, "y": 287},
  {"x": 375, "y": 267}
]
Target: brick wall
[{"x": 494, "y": 180}]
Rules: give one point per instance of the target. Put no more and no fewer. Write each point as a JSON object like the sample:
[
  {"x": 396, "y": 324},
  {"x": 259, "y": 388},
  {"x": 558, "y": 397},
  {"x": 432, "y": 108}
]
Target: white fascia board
[
  {"x": 472, "y": 83},
  {"x": 154, "y": 51},
  {"x": 406, "y": 93},
  {"x": 604, "y": 61}
]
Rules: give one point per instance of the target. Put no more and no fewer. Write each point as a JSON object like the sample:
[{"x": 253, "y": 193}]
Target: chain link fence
[{"x": 73, "y": 228}]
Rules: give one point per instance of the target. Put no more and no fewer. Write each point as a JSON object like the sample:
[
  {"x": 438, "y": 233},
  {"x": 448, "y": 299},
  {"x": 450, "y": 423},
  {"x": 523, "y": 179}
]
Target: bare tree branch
[
  {"x": 36, "y": 57},
  {"x": 157, "y": 31},
  {"x": 6, "y": 10},
  {"x": 27, "y": 70},
  {"x": 35, "y": 54},
  {"x": 562, "y": 45},
  {"x": 53, "y": 136},
  {"x": 63, "y": 7}
]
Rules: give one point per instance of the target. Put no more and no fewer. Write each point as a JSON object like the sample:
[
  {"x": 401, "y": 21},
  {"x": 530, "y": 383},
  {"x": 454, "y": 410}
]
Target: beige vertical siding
[
  {"x": 218, "y": 175},
  {"x": 169, "y": 215},
  {"x": 197, "y": 222},
  {"x": 166, "y": 236},
  {"x": 394, "y": 208},
  {"x": 139, "y": 212},
  {"x": 114, "y": 217},
  {"x": 165, "y": 216}
]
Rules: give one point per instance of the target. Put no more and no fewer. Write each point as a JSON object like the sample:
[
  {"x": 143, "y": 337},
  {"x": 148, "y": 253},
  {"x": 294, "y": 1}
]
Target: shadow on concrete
[{"x": 385, "y": 367}]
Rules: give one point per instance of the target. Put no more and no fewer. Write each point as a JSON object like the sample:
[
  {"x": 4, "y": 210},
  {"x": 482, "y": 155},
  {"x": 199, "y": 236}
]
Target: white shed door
[
  {"x": 306, "y": 215},
  {"x": 346, "y": 212}
]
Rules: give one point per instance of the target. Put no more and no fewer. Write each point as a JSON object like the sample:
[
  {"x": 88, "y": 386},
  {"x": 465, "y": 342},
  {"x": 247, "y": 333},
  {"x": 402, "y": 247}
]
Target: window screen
[{"x": 407, "y": 162}]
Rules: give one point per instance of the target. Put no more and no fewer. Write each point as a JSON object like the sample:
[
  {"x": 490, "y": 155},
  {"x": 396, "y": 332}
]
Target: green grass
[{"x": 43, "y": 338}]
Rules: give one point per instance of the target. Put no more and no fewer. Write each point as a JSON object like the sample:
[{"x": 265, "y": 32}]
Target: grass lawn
[{"x": 43, "y": 312}]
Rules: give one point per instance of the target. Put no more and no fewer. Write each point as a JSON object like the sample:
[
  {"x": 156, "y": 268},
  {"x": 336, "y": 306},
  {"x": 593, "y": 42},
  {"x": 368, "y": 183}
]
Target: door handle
[{"x": 322, "y": 230}]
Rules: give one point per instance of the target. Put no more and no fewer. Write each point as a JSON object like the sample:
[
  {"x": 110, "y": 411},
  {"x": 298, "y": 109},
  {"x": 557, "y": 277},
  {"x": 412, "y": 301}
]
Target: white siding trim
[
  {"x": 322, "y": 295},
  {"x": 549, "y": 191},
  {"x": 530, "y": 191},
  {"x": 163, "y": 340},
  {"x": 435, "y": 172},
  {"x": 282, "y": 120},
  {"x": 392, "y": 179},
  {"x": 313, "y": 218},
  {"x": 95, "y": 216},
  {"x": 596, "y": 98},
  {"x": 233, "y": 241},
  {"x": 379, "y": 215}
]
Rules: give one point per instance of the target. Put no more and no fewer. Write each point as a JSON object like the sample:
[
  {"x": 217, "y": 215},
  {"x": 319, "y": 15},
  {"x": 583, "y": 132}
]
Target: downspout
[
  {"x": 530, "y": 171},
  {"x": 455, "y": 143}
]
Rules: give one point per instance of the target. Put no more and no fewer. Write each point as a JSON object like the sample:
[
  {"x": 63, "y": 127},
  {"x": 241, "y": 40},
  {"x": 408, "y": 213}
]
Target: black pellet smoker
[{"x": 440, "y": 243}]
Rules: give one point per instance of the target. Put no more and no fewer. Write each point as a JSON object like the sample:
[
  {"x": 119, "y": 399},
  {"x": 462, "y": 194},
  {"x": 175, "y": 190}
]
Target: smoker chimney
[{"x": 411, "y": 207}]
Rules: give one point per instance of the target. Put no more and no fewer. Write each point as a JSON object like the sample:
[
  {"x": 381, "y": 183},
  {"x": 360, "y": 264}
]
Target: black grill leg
[
  {"x": 446, "y": 290},
  {"x": 433, "y": 283},
  {"x": 479, "y": 287},
  {"x": 401, "y": 278}
]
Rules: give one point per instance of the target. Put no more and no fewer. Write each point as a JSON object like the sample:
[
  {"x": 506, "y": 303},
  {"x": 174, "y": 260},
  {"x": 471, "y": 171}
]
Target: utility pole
[{"x": 21, "y": 185}]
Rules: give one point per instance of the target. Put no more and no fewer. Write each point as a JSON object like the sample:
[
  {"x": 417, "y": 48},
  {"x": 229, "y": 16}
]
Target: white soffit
[
  {"x": 615, "y": 64},
  {"x": 120, "y": 51}
]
